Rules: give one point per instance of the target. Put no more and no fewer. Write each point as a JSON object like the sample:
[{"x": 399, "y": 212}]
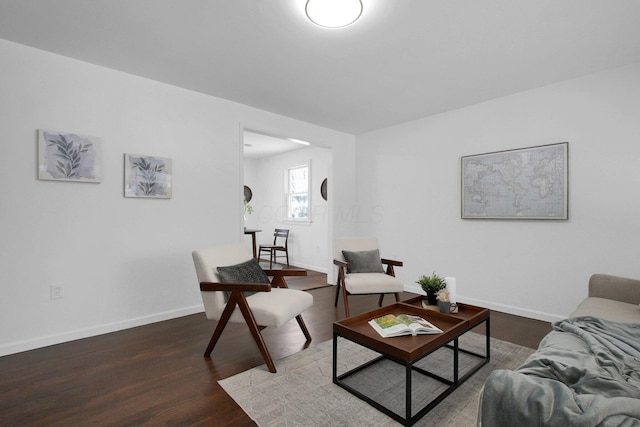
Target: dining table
[{"x": 253, "y": 232}]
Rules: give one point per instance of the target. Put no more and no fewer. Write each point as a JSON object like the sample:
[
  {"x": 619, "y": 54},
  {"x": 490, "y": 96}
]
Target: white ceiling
[
  {"x": 258, "y": 145},
  {"x": 404, "y": 59}
]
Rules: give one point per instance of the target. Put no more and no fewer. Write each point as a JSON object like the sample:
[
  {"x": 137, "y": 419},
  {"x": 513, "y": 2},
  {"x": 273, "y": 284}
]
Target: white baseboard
[
  {"x": 310, "y": 267},
  {"x": 517, "y": 311},
  {"x": 39, "y": 342}
]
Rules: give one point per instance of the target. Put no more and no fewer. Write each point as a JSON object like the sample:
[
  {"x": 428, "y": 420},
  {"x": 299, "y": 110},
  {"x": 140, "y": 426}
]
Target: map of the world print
[{"x": 527, "y": 183}]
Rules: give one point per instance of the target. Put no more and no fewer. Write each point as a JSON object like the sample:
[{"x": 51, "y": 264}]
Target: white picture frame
[
  {"x": 69, "y": 157},
  {"x": 147, "y": 176}
]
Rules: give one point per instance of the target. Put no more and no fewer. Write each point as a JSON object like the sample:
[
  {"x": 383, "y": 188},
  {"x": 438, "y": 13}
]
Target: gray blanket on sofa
[{"x": 586, "y": 372}]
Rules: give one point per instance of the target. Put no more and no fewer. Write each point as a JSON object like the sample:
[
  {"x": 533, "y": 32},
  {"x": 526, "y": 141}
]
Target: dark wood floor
[{"x": 156, "y": 374}]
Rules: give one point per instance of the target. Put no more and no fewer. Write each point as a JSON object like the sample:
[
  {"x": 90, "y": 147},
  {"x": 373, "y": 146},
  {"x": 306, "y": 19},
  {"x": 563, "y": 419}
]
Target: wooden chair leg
[
  {"x": 255, "y": 330},
  {"x": 224, "y": 319},
  {"x": 396, "y": 294},
  {"x": 346, "y": 301},
  {"x": 279, "y": 282},
  {"x": 305, "y": 331},
  {"x": 340, "y": 284},
  {"x": 287, "y": 252},
  {"x": 271, "y": 258}
]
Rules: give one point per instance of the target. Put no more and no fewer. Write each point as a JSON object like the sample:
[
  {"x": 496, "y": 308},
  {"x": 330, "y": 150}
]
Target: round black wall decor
[{"x": 323, "y": 189}]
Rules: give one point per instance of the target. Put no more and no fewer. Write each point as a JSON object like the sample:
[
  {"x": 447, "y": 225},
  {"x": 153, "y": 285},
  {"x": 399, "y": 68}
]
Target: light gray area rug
[{"x": 302, "y": 393}]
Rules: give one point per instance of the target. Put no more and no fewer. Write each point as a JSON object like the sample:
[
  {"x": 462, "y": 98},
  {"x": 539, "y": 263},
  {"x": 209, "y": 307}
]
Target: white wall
[
  {"x": 409, "y": 195},
  {"x": 125, "y": 262},
  {"x": 121, "y": 262},
  {"x": 309, "y": 244}
]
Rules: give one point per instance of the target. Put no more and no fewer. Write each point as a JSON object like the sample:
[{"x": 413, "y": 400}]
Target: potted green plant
[
  {"x": 431, "y": 285},
  {"x": 248, "y": 209}
]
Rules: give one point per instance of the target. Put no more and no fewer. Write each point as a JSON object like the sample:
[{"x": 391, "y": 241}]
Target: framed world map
[{"x": 525, "y": 183}]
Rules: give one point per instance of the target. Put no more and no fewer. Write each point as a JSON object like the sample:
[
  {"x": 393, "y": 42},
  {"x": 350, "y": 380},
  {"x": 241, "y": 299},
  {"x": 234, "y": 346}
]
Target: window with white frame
[{"x": 298, "y": 183}]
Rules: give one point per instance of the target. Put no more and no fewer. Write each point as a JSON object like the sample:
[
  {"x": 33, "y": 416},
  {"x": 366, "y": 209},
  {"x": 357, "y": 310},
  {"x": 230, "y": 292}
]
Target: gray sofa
[
  {"x": 612, "y": 298},
  {"x": 586, "y": 372}
]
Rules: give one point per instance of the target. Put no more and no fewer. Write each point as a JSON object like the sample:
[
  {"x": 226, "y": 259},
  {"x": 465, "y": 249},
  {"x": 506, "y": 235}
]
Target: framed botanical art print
[
  {"x": 68, "y": 157},
  {"x": 147, "y": 176}
]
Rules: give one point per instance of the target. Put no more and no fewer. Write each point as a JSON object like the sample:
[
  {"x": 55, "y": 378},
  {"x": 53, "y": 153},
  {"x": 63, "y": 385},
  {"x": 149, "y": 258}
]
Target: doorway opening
[{"x": 266, "y": 177}]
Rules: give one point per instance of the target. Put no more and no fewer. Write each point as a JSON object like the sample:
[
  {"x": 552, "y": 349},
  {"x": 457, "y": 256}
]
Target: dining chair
[{"x": 280, "y": 243}]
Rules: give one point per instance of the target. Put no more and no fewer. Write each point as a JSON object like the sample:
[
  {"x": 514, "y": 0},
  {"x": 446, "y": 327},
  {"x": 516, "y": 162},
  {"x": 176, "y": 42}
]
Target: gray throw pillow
[
  {"x": 246, "y": 272},
  {"x": 363, "y": 261}
]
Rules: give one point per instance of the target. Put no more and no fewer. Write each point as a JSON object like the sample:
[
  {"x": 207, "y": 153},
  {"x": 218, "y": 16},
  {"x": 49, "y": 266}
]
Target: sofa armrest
[{"x": 615, "y": 288}]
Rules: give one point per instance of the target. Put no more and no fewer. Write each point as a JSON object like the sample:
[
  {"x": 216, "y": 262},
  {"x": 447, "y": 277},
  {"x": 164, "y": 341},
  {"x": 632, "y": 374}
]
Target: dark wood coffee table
[{"x": 408, "y": 350}]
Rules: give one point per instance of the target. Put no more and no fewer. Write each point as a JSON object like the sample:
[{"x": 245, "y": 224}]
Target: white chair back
[
  {"x": 206, "y": 261},
  {"x": 353, "y": 244}
]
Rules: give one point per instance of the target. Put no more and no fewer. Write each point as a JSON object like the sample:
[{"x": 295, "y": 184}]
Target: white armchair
[
  {"x": 264, "y": 304},
  {"x": 363, "y": 273}
]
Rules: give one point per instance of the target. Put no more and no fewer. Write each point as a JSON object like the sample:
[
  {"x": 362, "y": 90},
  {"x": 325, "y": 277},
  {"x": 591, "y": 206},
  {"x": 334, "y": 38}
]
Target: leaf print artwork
[
  {"x": 69, "y": 153},
  {"x": 147, "y": 176},
  {"x": 68, "y": 157}
]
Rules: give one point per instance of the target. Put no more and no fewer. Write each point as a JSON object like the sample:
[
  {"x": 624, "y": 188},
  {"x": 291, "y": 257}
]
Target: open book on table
[{"x": 392, "y": 325}]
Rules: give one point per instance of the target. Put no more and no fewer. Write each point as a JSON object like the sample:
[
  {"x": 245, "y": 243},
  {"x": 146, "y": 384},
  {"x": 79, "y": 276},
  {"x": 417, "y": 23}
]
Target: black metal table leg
[
  {"x": 488, "y": 338},
  {"x": 408, "y": 394},
  {"x": 455, "y": 361},
  {"x": 335, "y": 357}
]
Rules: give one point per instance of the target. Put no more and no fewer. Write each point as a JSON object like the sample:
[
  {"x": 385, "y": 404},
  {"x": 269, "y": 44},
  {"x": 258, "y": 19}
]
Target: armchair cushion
[
  {"x": 372, "y": 283},
  {"x": 277, "y": 307},
  {"x": 363, "y": 261},
  {"x": 245, "y": 272}
]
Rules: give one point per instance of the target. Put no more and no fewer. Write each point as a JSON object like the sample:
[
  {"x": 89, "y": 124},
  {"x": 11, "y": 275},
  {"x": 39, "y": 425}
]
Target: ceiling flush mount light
[
  {"x": 333, "y": 13},
  {"x": 299, "y": 141}
]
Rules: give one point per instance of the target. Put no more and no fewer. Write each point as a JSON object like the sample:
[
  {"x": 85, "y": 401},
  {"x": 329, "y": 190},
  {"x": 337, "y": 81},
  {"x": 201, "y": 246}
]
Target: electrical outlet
[{"x": 57, "y": 291}]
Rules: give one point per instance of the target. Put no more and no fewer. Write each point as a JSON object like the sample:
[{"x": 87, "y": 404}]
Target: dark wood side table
[{"x": 253, "y": 232}]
